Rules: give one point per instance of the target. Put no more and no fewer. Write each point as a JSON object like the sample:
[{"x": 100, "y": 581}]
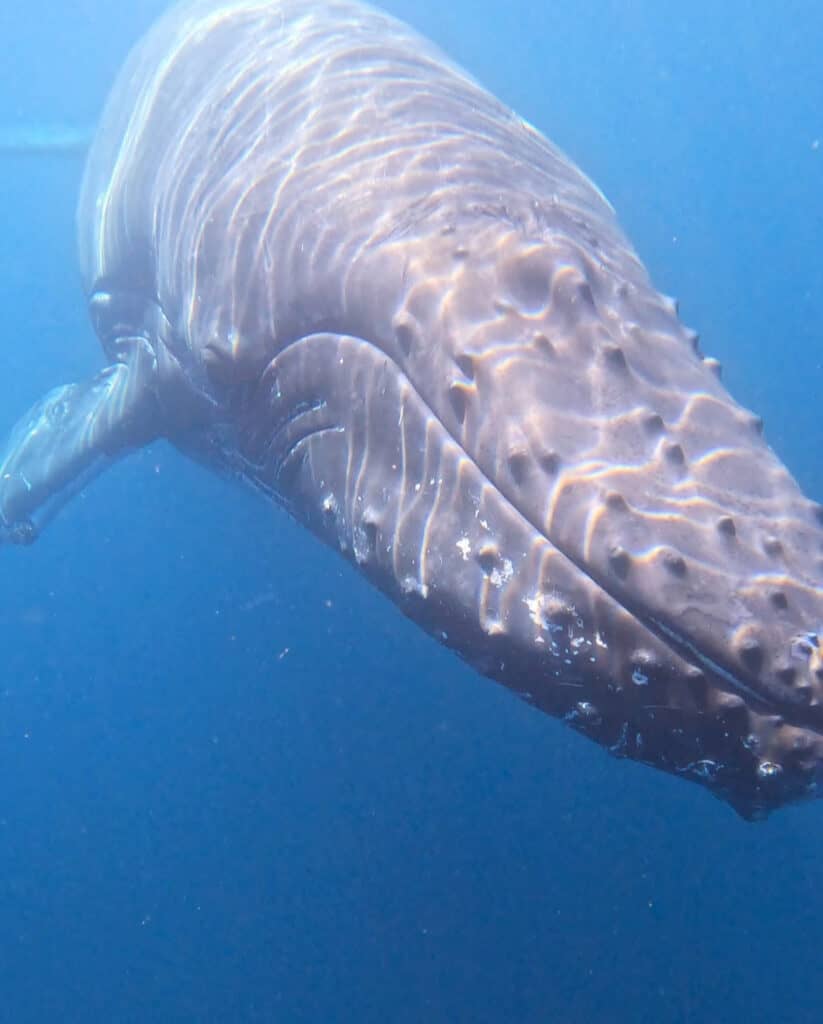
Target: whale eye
[
  {"x": 116, "y": 312},
  {"x": 57, "y": 411}
]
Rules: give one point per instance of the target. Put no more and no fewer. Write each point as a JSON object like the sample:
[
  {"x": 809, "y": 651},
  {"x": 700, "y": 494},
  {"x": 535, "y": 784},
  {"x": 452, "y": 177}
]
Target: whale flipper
[{"x": 70, "y": 435}]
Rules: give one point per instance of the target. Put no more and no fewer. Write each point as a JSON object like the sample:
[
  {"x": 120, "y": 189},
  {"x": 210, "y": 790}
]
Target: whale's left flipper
[{"x": 72, "y": 434}]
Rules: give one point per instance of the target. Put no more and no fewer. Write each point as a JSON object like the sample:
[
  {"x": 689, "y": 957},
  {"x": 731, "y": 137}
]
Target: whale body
[{"x": 321, "y": 259}]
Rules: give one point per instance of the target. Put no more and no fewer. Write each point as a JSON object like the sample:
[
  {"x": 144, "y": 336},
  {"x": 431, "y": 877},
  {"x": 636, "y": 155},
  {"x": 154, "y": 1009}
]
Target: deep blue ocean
[{"x": 236, "y": 785}]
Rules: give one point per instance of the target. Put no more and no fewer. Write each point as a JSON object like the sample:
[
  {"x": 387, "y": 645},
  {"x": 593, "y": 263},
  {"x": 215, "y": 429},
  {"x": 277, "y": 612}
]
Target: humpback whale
[{"x": 321, "y": 259}]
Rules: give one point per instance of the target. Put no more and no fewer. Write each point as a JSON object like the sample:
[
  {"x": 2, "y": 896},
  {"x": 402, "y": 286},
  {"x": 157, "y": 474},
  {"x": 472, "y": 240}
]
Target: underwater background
[{"x": 235, "y": 784}]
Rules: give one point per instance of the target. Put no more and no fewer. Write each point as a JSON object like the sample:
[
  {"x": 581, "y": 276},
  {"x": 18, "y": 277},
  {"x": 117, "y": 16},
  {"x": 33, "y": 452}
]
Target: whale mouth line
[
  {"x": 787, "y": 704},
  {"x": 679, "y": 645}
]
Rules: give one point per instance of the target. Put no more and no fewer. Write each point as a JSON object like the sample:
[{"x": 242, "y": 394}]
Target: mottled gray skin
[{"x": 322, "y": 259}]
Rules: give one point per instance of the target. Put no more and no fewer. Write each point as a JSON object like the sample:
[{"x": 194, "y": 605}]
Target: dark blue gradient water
[{"x": 235, "y": 784}]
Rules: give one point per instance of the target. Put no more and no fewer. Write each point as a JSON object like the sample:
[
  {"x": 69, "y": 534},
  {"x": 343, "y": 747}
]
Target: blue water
[{"x": 235, "y": 784}]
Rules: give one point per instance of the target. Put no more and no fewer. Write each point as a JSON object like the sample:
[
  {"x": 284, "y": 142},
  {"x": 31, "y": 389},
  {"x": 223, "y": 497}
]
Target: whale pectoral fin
[{"x": 72, "y": 434}]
